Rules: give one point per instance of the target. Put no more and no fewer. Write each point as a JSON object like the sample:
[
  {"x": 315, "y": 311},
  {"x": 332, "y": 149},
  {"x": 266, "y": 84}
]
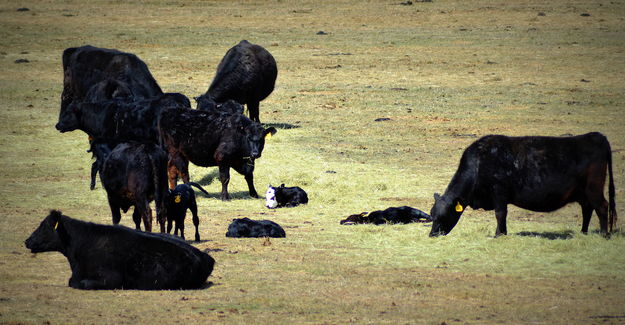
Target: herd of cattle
[{"x": 143, "y": 140}]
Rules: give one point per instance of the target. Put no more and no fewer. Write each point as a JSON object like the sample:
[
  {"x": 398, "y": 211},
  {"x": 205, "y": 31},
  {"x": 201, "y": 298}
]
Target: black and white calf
[{"x": 282, "y": 196}]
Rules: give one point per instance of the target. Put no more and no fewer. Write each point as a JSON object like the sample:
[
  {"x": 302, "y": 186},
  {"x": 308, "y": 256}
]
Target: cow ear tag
[
  {"x": 267, "y": 136},
  {"x": 177, "y": 199},
  {"x": 56, "y": 225},
  {"x": 459, "y": 207}
]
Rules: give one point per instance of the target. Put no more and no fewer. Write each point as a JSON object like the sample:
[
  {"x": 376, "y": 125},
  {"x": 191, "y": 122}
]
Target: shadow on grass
[
  {"x": 568, "y": 234},
  {"x": 283, "y": 126}
]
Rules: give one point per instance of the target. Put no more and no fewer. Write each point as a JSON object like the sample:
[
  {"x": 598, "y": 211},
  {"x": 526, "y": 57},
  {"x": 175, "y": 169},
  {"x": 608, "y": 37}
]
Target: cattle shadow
[
  {"x": 209, "y": 178},
  {"x": 551, "y": 235},
  {"x": 282, "y": 126}
]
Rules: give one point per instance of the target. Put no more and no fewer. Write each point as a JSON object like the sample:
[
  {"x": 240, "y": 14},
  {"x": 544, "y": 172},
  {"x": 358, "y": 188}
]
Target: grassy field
[{"x": 443, "y": 72}]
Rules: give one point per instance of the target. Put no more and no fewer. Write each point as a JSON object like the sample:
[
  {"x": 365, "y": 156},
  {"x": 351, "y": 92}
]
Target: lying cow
[
  {"x": 92, "y": 74},
  {"x": 121, "y": 120},
  {"x": 246, "y": 74},
  {"x": 277, "y": 197},
  {"x": 404, "y": 214},
  {"x": 178, "y": 201},
  {"x": 133, "y": 174},
  {"x": 212, "y": 139},
  {"x": 535, "y": 173},
  {"x": 244, "y": 228},
  {"x": 116, "y": 257}
]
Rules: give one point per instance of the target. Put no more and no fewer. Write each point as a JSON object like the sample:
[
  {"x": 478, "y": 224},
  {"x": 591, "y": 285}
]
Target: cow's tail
[
  {"x": 198, "y": 186},
  {"x": 612, "y": 217},
  {"x": 158, "y": 159}
]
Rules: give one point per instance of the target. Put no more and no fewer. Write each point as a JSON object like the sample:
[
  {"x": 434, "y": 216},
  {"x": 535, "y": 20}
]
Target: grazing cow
[
  {"x": 246, "y": 74},
  {"x": 247, "y": 228},
  {"x": 535, "y": 173},
  {"x": 134, "y": 174},
  {"x": 212, "y": 139},
  {"x": 117, "y": 119},
  {"x": 404, "y": 214},
  {"x": 281, "y": 196},
  {"x": 94, "y": 74},
  {"x": 178, "y": 201},
  {"x": 116, "y": 257}
]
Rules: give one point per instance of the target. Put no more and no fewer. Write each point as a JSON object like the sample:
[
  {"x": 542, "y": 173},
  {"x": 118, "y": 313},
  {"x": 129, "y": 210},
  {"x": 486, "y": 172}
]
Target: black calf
[{"x": 178, "y": 201}]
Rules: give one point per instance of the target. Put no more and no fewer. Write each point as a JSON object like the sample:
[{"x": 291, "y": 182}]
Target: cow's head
[
  {"x": 445, "y": 215},
  {"x": 47, "y": 237},
  {"x": 253, "y": 139},
  {"x": 270, "y": 198},
  {"x": 69, "y": 118}
]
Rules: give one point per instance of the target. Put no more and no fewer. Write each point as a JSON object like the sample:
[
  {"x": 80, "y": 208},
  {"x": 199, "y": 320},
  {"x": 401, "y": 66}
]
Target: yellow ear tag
[
  {"x": 459, "y": 207},
  {"x": 56, "y": 226},
  {"x": 267, "y": 136},
  {"x": 177, "y": 199}
]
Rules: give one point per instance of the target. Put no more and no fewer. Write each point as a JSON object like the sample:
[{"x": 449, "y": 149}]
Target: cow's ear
[
  {"x": 54, "y": 218},
  {"x": 437, "y": 197},
  {"x": 270, "y": 132}
]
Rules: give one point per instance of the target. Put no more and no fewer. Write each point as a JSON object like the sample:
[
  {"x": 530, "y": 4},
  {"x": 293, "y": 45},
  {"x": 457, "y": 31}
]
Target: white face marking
[{"x": 270, "y": 198}]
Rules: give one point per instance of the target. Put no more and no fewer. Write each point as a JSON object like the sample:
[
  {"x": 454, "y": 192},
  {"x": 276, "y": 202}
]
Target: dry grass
[{"x": 444, "y": 72}]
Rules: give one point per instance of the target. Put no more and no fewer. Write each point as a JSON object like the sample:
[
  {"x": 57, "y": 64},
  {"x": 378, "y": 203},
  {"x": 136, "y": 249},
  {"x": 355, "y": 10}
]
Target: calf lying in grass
[{"x": 404, "y": 214}]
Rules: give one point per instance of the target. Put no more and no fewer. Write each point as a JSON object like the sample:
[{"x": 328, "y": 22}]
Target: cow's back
[
  {"x": 247, "y": 70},
  {"x": 532, "y": 172},
  {"x": 87, "y": 66}
]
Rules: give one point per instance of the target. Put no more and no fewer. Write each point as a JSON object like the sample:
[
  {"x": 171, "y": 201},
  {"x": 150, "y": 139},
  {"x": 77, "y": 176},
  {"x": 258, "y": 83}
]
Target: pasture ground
[{"x": 443, "y": 72}]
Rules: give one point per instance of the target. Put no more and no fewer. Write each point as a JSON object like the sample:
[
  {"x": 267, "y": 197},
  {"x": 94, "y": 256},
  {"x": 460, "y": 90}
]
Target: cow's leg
[
  {"x": 180, "y": 225},
  {"x": 196, "y": 219},
  {"x": 142, "y": 207},
  {"x": 102, "y": 279},
  {"x": 501, "y": 213},
  {"x": 136, "y": 217},
  {"x": 94, "y": 172},
  {"x": 224, "y": 177},
  {"x": 586, "y": 215},
  {"x": 253, "y": 108},
  {"x": 169, "y": 225},
  {"x": 594, "y": 194},
  {"x": 249, "y": 178},
  {"x": 115, "y": 210}
]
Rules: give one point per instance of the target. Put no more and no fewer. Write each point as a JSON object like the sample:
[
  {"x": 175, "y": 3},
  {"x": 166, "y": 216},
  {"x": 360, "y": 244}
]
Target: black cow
[
  {"x": 246, "y": 74},
  {"x": 116, "y": 257},
  {"x": 121, "y": 120},
  {"x": 178, "y": 201},
  {"x": 247, "y": 228},
  {"x": 535, "y": 173},
  {"x": 212, "y": 139},
  {"x": 94, "y": 74},
  {"x": 100, "y": 149},
  {"x": 281, "y": 196},
  {"x": 134, "y": 174},
  {"x": 404, "y": 214}
]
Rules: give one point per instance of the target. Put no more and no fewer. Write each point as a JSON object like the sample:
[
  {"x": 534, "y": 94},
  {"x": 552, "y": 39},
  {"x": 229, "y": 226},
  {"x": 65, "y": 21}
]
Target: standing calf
[{"x": 178, "y": 201}]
